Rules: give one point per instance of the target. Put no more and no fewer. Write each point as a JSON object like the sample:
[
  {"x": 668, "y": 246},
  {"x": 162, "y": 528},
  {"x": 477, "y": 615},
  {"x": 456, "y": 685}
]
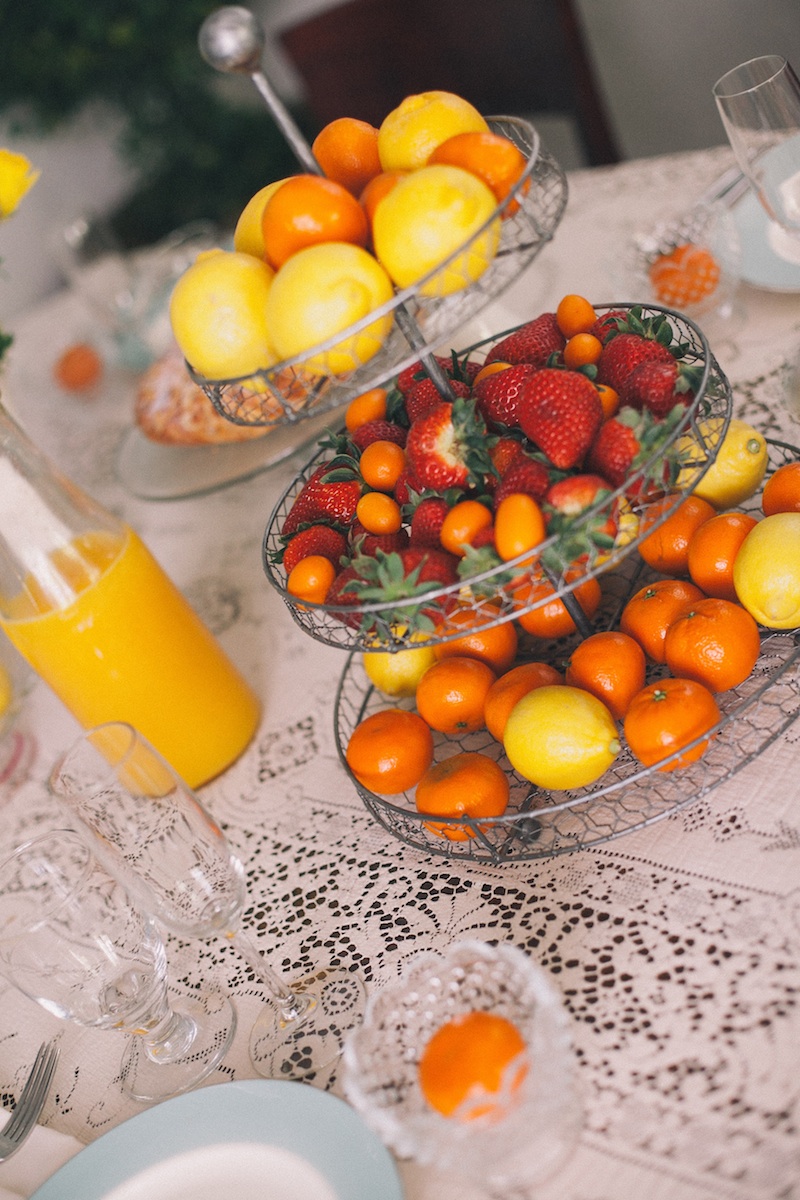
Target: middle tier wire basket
[{"x": 693, "y": 438}]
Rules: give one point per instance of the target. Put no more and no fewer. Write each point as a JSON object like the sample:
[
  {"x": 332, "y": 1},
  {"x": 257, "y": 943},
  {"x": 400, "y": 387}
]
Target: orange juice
[{"x": 126, "y": 646}]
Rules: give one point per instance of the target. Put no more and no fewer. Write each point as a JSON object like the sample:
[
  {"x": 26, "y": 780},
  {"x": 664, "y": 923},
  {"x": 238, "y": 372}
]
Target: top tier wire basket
[{"x": 290, "y": 390}]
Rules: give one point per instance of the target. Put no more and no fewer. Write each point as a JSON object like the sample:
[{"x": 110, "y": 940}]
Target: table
[{"x": 676, "y": 947}]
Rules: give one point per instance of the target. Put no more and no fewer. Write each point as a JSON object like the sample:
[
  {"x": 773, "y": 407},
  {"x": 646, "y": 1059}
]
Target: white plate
[
  {"x": 760, "y": 265},
  {"x": 249, "y": 1139}
]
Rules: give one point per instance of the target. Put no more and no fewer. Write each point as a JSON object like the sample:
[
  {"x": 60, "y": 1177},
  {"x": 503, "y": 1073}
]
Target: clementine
[
  {"x": 667, "y": 716},
  {"x": 390, "y": 751},
  {"x": 666, "y": 549},
  {"x": 650, "y": 611},
  {"x": 552, "y": 618},
  {"x": 493, "y": 158},
  {"x": 610, "y": 665},
  {"x": 452, "y": 693},
  {"x": 306, "y": 210},
  {"x": 471, "y": 1058},
  {"x": 782, "y": 490},
  {"x": 712, "y": 550},
  {"x": 467, "y": 784},
  {"x": 496, "y": 645},
  {"x": 347, "y": 151},
  {"x": 715, "y": 642}
]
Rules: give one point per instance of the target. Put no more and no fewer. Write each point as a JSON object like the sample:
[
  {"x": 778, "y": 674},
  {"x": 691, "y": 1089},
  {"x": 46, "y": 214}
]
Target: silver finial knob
[{"x": 232, "y": 40}]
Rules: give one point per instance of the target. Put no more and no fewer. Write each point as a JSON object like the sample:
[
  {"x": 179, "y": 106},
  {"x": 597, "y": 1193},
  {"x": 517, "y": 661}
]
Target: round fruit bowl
[
  {"x": 505, "y": 592},
  {"x": 541, "y": 824},
  {"x": 289, "y": 391}
]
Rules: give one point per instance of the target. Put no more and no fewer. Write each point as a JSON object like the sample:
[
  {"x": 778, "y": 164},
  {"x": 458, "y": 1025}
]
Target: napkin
[{"x": 40, "y": 1157}]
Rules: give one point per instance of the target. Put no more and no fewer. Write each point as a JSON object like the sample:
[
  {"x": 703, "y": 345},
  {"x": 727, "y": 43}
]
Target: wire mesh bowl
[
  {"x": 540, "y": 824},
  {"x": 290, "y": 390},
  {"x": 377, "y": 626}
]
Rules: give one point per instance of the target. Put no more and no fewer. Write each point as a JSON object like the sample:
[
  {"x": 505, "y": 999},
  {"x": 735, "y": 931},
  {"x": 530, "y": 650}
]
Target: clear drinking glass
[
  {"x": 541, "y": 1118},
  {"x": 150, "y": 830},
  {"x": 759, "y": 103},
  {"x": 73, "y": 940}
]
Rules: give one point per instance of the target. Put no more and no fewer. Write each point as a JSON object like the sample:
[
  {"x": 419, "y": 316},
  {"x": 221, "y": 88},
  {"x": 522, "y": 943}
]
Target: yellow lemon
[
  {"x": 411, "y": 132},
  {"x": 560, "y": 737},
  {"x": 766, "y": 571},
  {"x": 321, "y": 291},
  {"x": 248, "y": 237},
  {"x": 425, "y": 218},
  {"x": 7, "y": 690},
  {"x": 218, "y": 314},
  {"x": 397, "y": 674},
  {"x": 739, "y": 467}
]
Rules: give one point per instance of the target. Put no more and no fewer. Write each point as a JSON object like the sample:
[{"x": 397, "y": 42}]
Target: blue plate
[
  {"x": 301, "y": 1130},
  {"x": 760, "y": 265}
]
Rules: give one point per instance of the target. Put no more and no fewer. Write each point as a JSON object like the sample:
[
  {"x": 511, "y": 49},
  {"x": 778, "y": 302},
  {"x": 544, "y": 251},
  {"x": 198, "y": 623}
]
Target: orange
[
  {"x": 469, "y": 785},
  {"x": 379, "y": 513},
  {"x": 470, "y": 1058},
  {"x": 306, "y": 210},
  {"x": 714, "y": 642},
  {"x": 464, "y": 521},
  {"x": 782, "y": 490},
  {"x": 347, "y": 151},
  {"x": 712, "y": 550},
  {"x": 666, "y": 549},
  {"x": 390, "y": 751},
  {"x": 685, "y": 276},
  {"x": 452, "y": 693},
  {"x": 552, "y": 619},
  {"x": 519, "y": 526},
  {"x": 650, "y": 611},
  {"x": 511, "y": 687},
  {"x": 493, "y": 158},
  {"x": 574, "y": 314},
  {"x": 582, "y": 350},
  {"x": 666, "y": 716},
  {"x": 608, "y": 398},
  {"x": 369, "y": 406},
  {"x": 375, "y": 190},
  {"x": 381, "y": 464},
  {"x": 610, "y": 665},
  {"x": 78, "y": 367},
  {"x": 496, "y": 645},
  {"x": 311, "y": 578}
]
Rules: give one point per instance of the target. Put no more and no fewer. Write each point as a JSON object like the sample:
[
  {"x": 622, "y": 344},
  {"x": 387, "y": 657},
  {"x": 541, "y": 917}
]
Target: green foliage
[{"x": 199, "y": 153}]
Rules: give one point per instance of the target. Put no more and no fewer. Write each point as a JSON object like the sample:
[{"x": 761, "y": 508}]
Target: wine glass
[
  {"x": 73, "y": 940},
  {"x": 539, "y": 1119},
  {"x": 151, "y": 830},
  {"x": 759, "y": 103}
]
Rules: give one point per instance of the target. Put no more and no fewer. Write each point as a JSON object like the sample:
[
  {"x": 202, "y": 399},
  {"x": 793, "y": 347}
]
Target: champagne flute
[
  {"x": 72, "y": 939},
  {"x": 759, "y": 103},
  {"x": 151, "y": 830}
]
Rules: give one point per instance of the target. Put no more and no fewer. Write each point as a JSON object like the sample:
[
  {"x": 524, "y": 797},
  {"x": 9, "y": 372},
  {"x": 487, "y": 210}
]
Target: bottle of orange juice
[{"x": 88, "y": 606}]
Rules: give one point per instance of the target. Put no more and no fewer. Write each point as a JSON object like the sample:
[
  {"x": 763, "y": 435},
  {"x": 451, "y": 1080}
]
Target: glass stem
[
  {"x": 169, "y": 1040},
  {"x": 293, "y": 1006}
]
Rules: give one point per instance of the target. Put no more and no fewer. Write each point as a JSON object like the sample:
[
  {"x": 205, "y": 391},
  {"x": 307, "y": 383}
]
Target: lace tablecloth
[{"x": 675, "y": 947}]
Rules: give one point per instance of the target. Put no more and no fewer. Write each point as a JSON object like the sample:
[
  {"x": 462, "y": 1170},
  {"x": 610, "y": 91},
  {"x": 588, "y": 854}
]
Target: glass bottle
[{"x": 88, "y": 606}]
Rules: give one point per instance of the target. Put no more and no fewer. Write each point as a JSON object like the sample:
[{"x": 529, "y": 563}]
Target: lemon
[
  {"x": 766, "y": 571},
  {"x": 560, "y": 737},
  {"x": 319, "y": 292},
  {"x": 411, "y": 132},
  {"x": 218, "y": 314},
  {"x": 739, "y": 467},
  {"x": 426, "y": 217},
  {"x": 248, "y": 236},
  {"x": 397, "y": 674},
  {"x": 6, "y": 691}
]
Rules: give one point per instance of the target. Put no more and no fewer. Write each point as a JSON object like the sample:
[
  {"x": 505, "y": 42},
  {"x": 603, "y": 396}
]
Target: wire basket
[
  {"x": 541, "y": 824},
  {"x": 379, "y": 626},
  {"x": 288, "y": 391}
]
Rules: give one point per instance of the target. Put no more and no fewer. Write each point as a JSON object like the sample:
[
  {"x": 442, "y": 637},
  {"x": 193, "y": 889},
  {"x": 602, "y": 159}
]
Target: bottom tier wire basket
[{"x": 539, "y": 824}]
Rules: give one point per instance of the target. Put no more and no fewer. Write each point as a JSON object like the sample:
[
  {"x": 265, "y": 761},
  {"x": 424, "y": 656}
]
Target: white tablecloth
[{"x": 676, "y": 947}]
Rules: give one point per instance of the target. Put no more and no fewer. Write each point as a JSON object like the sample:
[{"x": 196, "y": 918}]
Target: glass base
[
  {"x": 147, "y": 1081},
  {"x": 302, "y": 1050}
]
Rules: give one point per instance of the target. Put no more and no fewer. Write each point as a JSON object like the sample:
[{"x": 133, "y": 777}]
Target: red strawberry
[
  {"x": 570, "y": 498},
  {"x": 378, "y": 431},
  {"x": 433, "y": 566},
  {"x": 317, "y": 539},
  {"x": 449, "y": 448},
  {"x": 335, "y": 501},
  {"x": 528, "y": 475},
  {"x": 623, "y": 353},
  {"x": 607, "y": 324},
  {"x": 497, "y": 396},
  {"x": 343, "y": 594},
  {"x": 628, "y": 440},
  {"x": 505, "y": 454},
  {"x": 427, "y": 520},
  {"x": 411, "y": 375},
  {"x": 424, "y": 397},
  {"x": 659, "y": 386},
  {"x": 363, "y": 542},
  {"x": 560, "y": 411},
  {"x": 532, "y": 343}
]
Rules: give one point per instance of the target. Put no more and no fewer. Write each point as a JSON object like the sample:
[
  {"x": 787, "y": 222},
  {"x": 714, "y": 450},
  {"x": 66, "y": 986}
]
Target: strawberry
[
  {"x": 449, "y": 448},
  {"x": 431, "y": 566},
  {"x": 343, "y": 593},
  {"x": 560, "y": 411},
  {"x": 400, "y": 578},
  {"x": 320, "y": 498},
  {"x": 424, "y": 397},
  {"x": 505, "y": 454},
  {"x": 528, "y": 475},
  {"x": 532, "y": 343},
  {"x": 316, "y": 539},
  {"x": 570, "y": 498},
  {"x": 608, "y": 324},
  {"x": 427, "y": 520},
  {"x": 363, "y": 542},
  {"x": 623, "y": 353},
  {"x": 628, "y": 440},
  {"x": 497, "y": 396},
  {"x": 659, "y": 386},
  {"x": 378, "y": 431},
  {"x": 411, "y": 375}
]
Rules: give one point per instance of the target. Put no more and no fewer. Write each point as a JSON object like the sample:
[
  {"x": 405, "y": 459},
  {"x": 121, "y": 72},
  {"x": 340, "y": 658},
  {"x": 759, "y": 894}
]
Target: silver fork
[{"x": 30, "y": 1104}]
